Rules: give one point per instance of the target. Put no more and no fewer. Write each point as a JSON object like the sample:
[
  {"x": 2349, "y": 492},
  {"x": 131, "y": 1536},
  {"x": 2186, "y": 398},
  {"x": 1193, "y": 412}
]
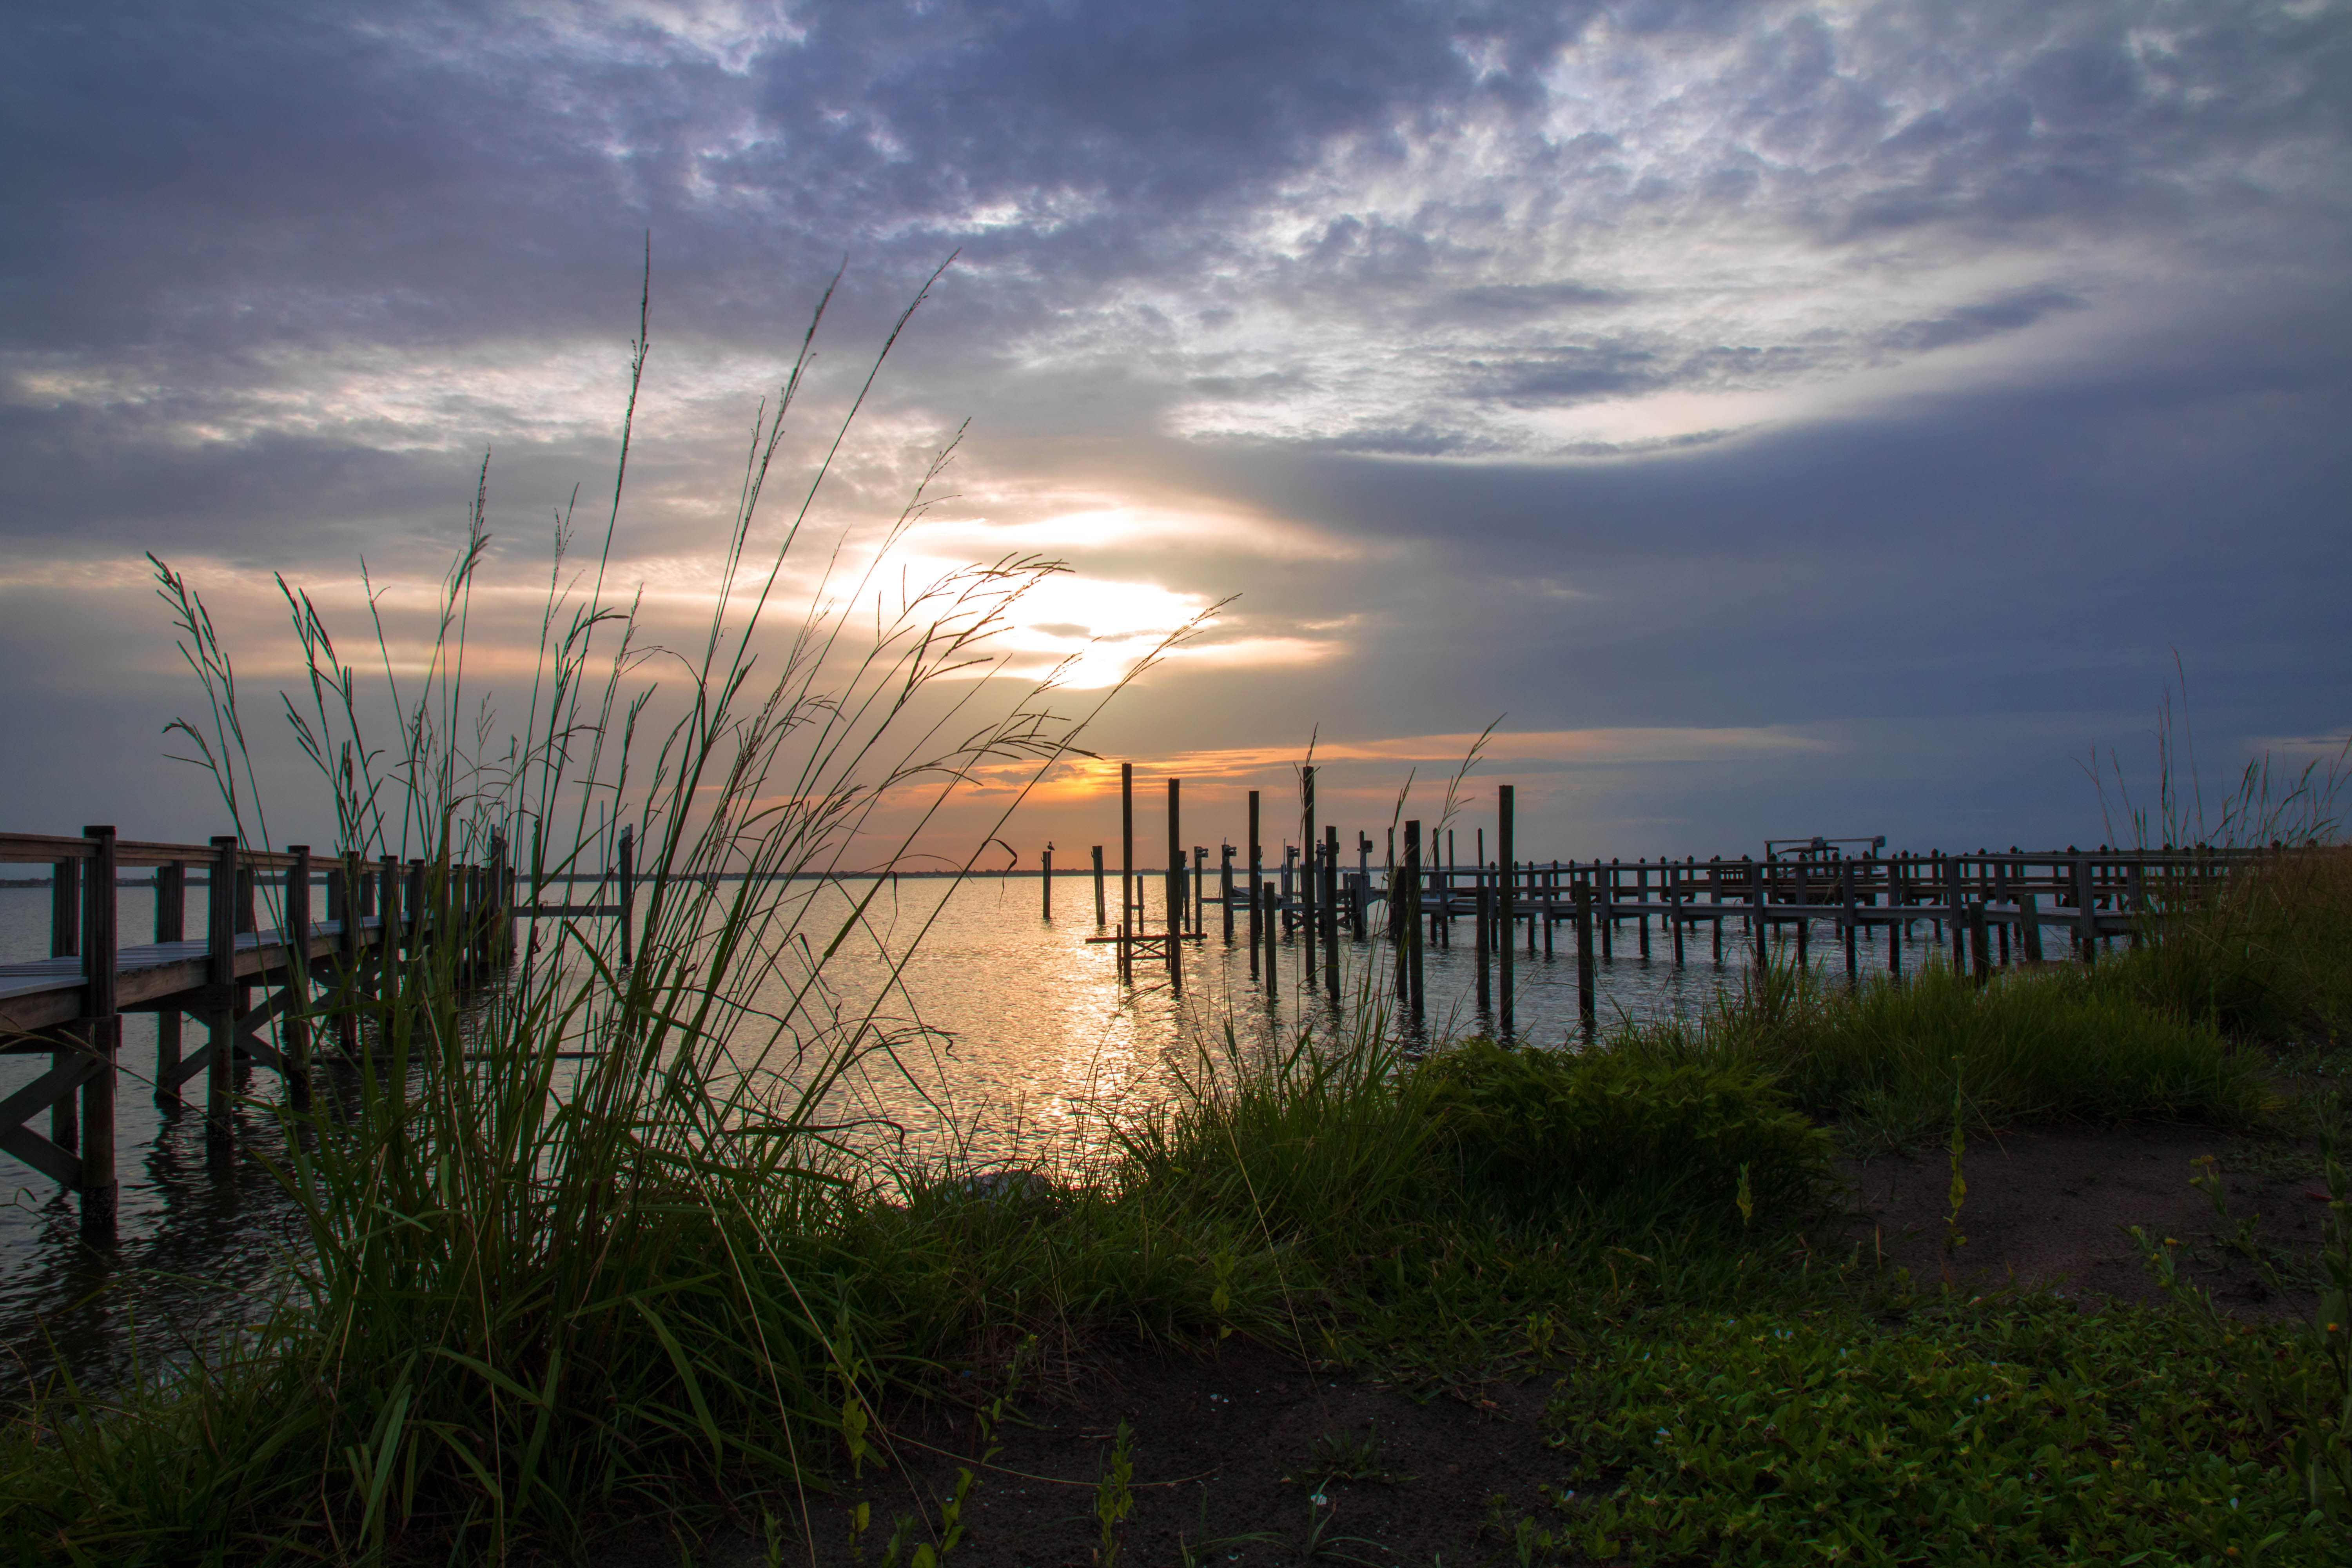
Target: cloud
[{"x": 1650, "y": 368}]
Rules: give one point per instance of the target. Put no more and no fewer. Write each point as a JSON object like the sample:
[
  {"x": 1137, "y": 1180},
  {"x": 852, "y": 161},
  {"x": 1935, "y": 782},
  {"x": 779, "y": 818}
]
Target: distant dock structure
[
  {"x": 1995, "y": 908},
  {"x": 289, "y": 997}
]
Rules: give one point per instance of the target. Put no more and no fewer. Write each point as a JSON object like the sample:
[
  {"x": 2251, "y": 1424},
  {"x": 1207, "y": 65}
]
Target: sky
[{"x": 1771, "y": 418}]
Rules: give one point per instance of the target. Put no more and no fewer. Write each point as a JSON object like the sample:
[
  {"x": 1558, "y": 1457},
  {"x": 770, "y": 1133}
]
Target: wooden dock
[
  {"x": 1995, "y": 907},
  {"x": 302, "y": 983}
]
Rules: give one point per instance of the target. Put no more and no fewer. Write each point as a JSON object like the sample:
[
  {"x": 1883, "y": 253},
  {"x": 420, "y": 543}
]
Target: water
[{"x": 1029, "y": 1042}]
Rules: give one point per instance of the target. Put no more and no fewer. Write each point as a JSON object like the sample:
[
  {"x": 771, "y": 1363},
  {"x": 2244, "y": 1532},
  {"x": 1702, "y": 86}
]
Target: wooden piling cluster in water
[
  {"x": 1995, "y": 908},
  {"x": 350, "y": 927}
]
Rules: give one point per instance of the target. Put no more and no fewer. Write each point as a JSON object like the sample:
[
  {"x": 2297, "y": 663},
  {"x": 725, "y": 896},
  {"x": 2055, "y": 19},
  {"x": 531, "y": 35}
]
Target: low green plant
[
  {"x": 2015, "y": 1432},
  {"x": 1115, "y": 1496},
  {"x": 1350, "y": 1456},
  {"x": 2302, "y": 1402}
]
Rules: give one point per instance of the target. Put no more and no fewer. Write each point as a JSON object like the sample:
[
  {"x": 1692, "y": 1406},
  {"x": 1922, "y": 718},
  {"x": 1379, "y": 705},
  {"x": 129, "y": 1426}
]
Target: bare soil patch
[
  {"x": 1223, "y": 1448},
  {"x": 2051, "y": 1208},
  {"x": 1223, "y": 1444}
]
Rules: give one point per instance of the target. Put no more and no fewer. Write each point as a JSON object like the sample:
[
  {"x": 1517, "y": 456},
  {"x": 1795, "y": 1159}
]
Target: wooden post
[
  {"x": 1980, "y": 951},
  {"x": 65, "y": 908},
  {"x": 1673, "y": 879},
  {"x": 1955, "y": 902},
  {"x": 1642, "y": 899},
  {"x": 1506, "y": 811},
  {"x": 1389, "y": 873},
  {"x": 1199, "y": 890},
  {"x": 1852, "y": 923},
  {"x": 1225, "y": 888},
  {"x": 1478, "y": 945},
  {"x": 1551, "y": 907},
  {"x": 171, "y": 925},
  {"x": 2029, "y": 925},
  {"x": 65, "y": 942},
  {"x": 1046, "y": 875},
  {"x": 1804, "y": 919},
  {"x": 1588, "y": 1007},
  {"x": 102, "y": 1033},
  {"x": 1331, "y": 912},
  {"x": 1175, "y": 888},
  {"x": 1413, "y": 924},
  {"x": 1894, "y": 923},
  {"x": 1755, "y": 899},
  {"x": 1358, "y": 885},
  {"x": 1256, "y": 868},
  {"x": 294, "y": 910},
  {"x": 1102, "y": 915},
  {"x": 1715, "y": 897},
  {"x": 1608, "y": 911},
  {"x": 1999, "y": 895},
  {"x": 1266, "y": 924},
  {"x": 1307, "y": 890},
  {"x": 220, "y": 1000},
  {"x": 2138, "y": 894},
  {"x": 627, "y": 870},
  {"x": 2087, "y": 918},
  {"x": 1128, "y": 930}
]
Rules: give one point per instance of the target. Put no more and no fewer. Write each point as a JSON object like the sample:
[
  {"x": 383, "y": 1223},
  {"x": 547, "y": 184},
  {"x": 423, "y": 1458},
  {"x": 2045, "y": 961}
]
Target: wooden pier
[
  {"x": 308, "y": 976},
  {"x": 1995, "y": 908}
]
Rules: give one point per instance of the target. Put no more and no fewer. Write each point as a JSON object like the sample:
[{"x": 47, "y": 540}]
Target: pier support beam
[
  {"x": 1505, "y": 923},
  {"x": 218, "y": 1005},
  {"x": 101, "y": 1037},
  {"x": 171, "y": 925}
]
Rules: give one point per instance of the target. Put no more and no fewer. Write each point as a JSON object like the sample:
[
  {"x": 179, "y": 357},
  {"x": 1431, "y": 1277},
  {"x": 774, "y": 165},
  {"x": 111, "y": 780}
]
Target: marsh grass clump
[
  {"x": 1534, "y": 1124},
  {"x": 2263, "y": 954},
  {"x": 1318, "y": 1139},
  {"x": 2047, "y": 1046}
]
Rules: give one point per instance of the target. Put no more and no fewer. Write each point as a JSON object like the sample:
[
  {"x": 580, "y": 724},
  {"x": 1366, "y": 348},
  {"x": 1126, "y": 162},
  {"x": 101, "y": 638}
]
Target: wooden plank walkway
[
  {"x": 256, "y": 990},
  {"x": 47, "y": 992}
]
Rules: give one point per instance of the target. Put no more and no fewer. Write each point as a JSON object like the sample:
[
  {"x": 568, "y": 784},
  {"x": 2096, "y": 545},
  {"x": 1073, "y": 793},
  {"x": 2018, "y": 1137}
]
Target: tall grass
[
  {"x": 2266, "y": 954},
  {"x": 578, "y": 1237},
  {"x": 1885, "y": 1059}
]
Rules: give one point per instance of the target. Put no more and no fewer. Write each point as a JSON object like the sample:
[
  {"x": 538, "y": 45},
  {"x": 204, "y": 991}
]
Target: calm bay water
[{"x": 1028, "y": 1043}]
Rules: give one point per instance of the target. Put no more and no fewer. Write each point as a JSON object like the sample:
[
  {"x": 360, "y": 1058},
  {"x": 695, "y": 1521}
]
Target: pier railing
[{"x": 346, "y": 924}]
